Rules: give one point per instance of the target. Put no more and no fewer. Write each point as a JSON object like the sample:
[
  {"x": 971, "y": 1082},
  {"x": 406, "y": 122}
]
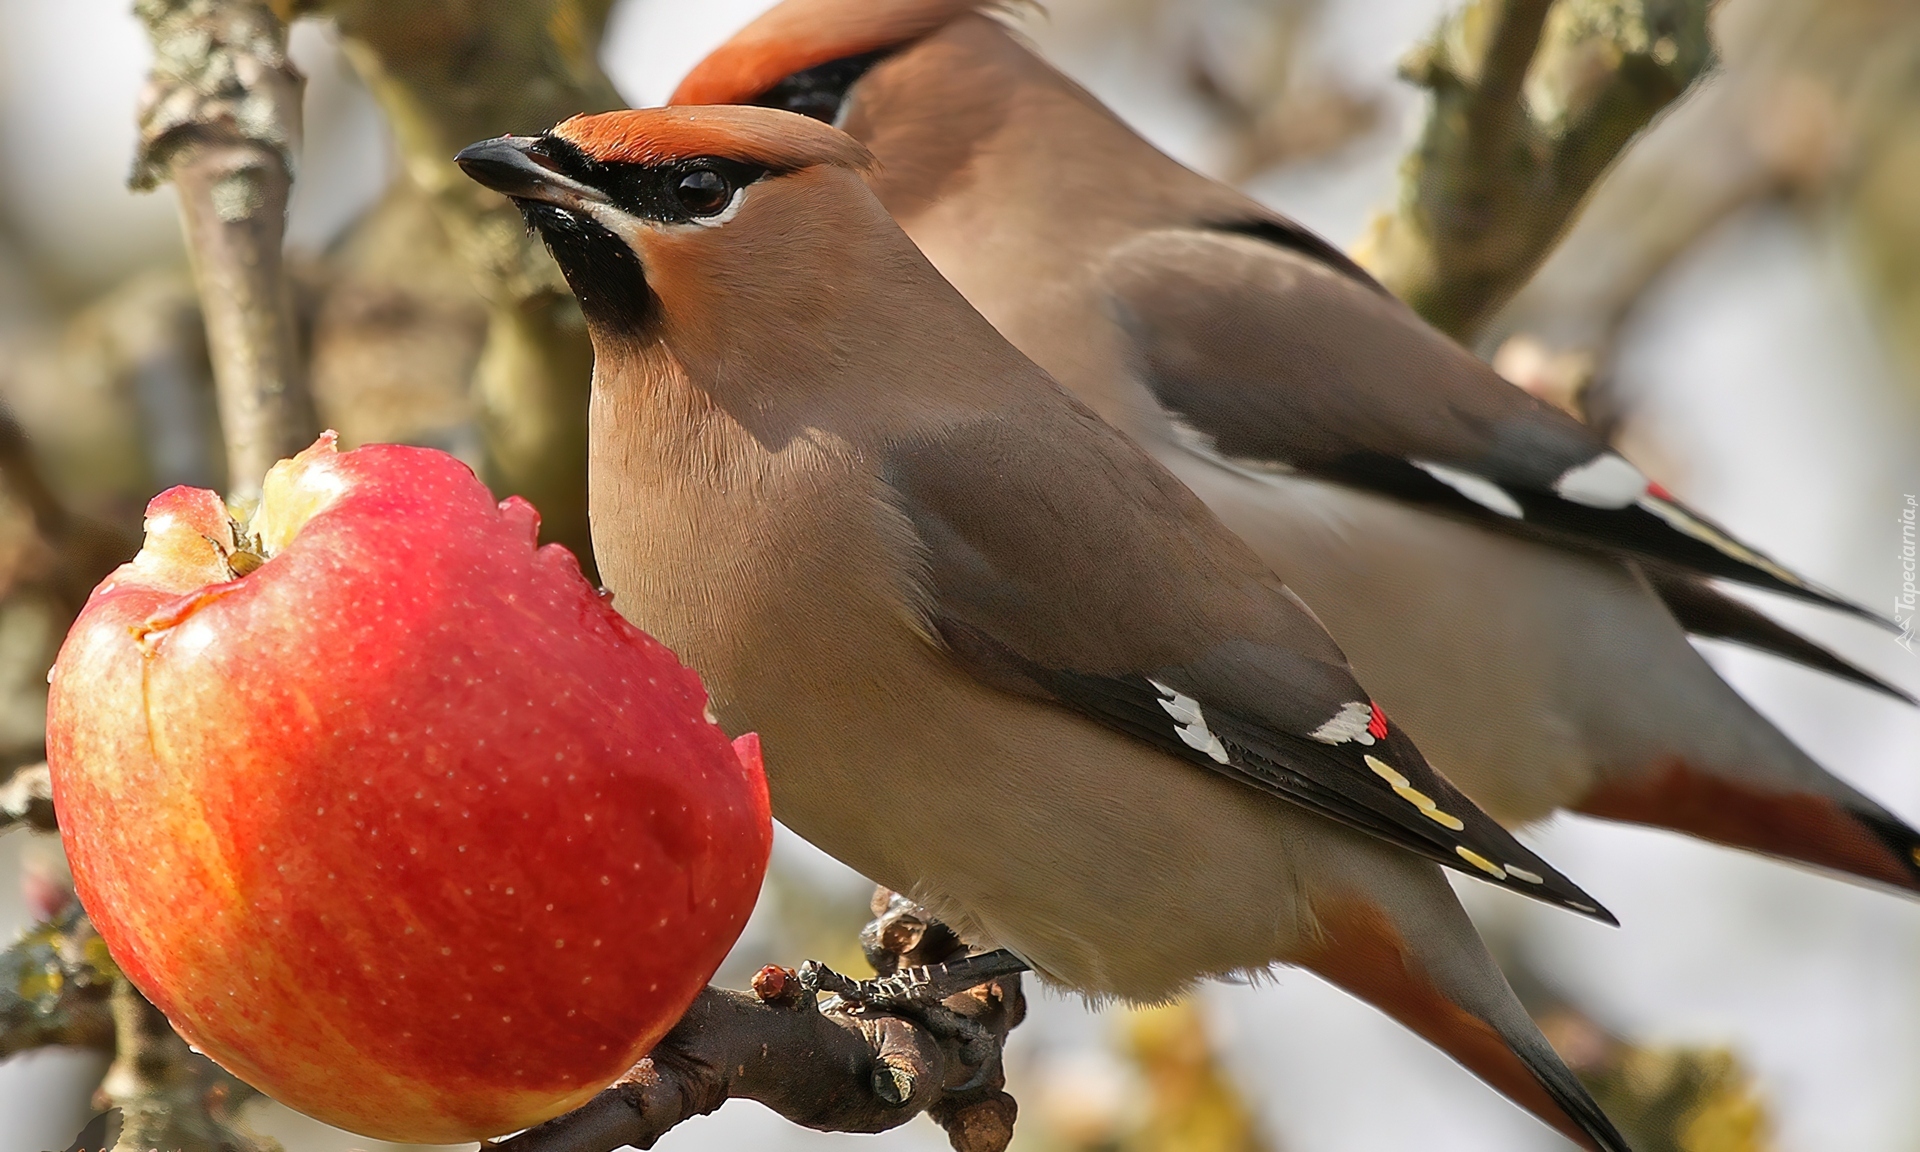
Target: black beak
[{"x": 510, "y": 165}]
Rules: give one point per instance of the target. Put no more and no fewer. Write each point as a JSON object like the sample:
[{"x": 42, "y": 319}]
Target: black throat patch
[{"x": 604, "y": 272}]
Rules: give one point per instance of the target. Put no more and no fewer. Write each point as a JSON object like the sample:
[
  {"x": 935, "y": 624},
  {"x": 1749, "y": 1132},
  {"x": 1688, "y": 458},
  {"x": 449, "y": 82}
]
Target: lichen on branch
[
  {"x": 1532, "y": 100},
  {"x": 220, "y": 73},
  {"x": 55, "y": 985}
]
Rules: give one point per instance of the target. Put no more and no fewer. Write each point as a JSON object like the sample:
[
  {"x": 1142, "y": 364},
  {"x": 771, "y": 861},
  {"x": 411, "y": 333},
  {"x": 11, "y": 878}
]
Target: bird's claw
[
  {"x": 912, "y": 988},
  {"x": 919, "y": 993}
]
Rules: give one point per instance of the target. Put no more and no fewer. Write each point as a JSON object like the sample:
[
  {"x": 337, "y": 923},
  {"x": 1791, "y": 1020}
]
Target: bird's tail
[
  {"x": 1815, "y": 819},
  {"x": 1421, "y": 962},
  {"x": 1704, "y": 610}
]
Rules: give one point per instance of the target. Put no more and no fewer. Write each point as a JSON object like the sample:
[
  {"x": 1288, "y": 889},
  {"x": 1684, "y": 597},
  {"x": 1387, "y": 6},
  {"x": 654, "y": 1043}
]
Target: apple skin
[{"x": 407, "y": 828}]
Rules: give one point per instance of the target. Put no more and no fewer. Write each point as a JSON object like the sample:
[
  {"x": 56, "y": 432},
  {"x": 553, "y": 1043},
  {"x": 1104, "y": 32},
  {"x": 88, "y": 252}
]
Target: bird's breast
[{"x": 784, "y": 576}]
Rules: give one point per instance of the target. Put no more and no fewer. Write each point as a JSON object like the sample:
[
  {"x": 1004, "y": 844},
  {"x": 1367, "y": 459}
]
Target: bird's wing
[
  {"x": 1704, "y": 610},
  {"x": 1271, "y": 357},
  {"x": 1056, "y": 559}
]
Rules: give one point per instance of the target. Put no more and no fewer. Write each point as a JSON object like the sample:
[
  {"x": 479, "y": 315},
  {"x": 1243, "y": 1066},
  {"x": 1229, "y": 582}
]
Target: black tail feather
[{"x": 1705, "y": 611}]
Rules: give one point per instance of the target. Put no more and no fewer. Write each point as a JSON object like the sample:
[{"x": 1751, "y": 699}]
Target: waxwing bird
[
  {"x": 1517, "y": 593},
  {"x": 1002, "y": 661}
]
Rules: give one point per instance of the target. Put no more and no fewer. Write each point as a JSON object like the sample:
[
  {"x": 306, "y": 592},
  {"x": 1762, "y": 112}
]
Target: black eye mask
[
  {"x": 676, "y": 193},
  {"x": 606, "y": 274},
  {"x": 820, "y": 91}
]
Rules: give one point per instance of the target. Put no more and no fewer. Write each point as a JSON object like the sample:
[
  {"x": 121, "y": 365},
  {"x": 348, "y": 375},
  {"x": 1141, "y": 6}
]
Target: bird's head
[
  {"x": 806, "y": 56},
  {"x": 667, "y": 207}
]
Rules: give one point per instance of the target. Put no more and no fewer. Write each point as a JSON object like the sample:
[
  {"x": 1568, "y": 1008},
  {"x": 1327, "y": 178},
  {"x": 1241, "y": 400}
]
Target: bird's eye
[{"x": 704, "y": 192}]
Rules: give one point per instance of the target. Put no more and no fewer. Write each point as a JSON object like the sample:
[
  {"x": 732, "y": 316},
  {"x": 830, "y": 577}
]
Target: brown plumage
[
  {"x": 1000, "y": 659},
  {"x": 1478, "y": 554}
]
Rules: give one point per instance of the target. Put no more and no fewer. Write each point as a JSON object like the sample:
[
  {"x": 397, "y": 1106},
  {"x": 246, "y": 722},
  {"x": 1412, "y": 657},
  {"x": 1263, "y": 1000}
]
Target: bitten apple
[{"x": 389, "y": 811}]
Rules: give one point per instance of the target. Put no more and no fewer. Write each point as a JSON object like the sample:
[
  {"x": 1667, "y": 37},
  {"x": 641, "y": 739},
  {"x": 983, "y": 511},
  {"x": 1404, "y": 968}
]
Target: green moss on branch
[
  {"x": 1532, "y": 101},
  {"x": 55, "y": 984}
]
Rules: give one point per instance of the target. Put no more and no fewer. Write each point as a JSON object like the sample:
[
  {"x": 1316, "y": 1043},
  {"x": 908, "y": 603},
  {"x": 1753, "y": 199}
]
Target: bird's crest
[
  {"x": 802, "y": 34},
  {"x": 764, "y": 137}
]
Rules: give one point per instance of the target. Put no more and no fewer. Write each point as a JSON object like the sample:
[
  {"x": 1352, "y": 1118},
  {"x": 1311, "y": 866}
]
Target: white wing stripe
[
  {"x": 1478, "y": 489},
  {"x": 1350, "y": 723},
  {"x": 1191, "y": 723},
  {"x": 1606, "y": 481}
]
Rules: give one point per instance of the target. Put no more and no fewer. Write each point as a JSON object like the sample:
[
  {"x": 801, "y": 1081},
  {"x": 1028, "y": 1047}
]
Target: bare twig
[
  {"x": 220, "y": 118},
  {"x": 1532, "y": 100},
  {"x": 1248, "y": 63},
  {"x": 1773, "y": 125},
  {"x": 55, "y": 982},
  {"x": 832, "y": 1067},
  {"x": 26, "y": 799},
  {"x": 170, "y": 1097}
]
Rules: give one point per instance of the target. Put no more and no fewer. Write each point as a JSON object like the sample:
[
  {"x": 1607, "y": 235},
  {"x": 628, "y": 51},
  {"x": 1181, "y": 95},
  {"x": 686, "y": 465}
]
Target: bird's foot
[
  {"x": 918, "y": 987},
  {"x": 921, "y": 993}
]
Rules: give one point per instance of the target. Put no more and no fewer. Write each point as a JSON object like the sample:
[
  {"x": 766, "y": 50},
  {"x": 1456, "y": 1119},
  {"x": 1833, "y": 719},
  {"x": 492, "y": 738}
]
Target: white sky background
[{"x": 1755, "y": 380}]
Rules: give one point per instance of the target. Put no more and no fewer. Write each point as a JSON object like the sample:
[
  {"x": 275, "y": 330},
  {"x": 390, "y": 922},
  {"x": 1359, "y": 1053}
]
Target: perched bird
[
  {"x": 1516, "y": 592},
  {"x": 1002, "y": 661}
]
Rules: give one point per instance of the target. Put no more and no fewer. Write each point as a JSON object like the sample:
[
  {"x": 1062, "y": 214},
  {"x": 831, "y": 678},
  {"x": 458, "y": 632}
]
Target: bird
[
  {"x": 1517, "y": 592},
  {"x": 1001, "y": 660}
]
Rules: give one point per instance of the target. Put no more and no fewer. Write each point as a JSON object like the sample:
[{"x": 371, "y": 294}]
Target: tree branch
[
  {"x": 449, "y": 73},
  {"x": 1532, "y": 101},
  {"x": 833, "y": 1067},
  {"x": 26, "y": 799},
  {"x": 169, "y": 1096},
  {"x": 220, "y": 118},
  {"x": 55, "y": 983}
]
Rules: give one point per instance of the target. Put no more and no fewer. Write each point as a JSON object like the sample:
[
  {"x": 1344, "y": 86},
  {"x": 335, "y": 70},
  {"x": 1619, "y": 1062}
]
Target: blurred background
[{"x": 1739, "y": 306}]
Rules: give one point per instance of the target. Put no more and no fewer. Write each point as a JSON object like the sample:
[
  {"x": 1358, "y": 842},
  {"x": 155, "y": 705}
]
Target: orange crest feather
[
  {"x": 767, "y": 137},
  {"x": 802, "y": 34}
]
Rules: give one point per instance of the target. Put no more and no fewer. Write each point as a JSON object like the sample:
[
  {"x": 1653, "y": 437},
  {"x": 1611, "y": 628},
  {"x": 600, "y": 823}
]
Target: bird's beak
[{"x": 510, "y": 166}]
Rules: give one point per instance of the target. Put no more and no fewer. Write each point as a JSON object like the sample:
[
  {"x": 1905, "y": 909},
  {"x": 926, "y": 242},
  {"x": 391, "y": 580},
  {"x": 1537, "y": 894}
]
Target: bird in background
[
  {"x": 1002, "y": 660},
  {"x": 1517, "y": 593}
]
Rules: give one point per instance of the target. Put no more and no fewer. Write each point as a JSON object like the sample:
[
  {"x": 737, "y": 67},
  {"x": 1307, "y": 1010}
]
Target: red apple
[{"x": 388, "y": 810}]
